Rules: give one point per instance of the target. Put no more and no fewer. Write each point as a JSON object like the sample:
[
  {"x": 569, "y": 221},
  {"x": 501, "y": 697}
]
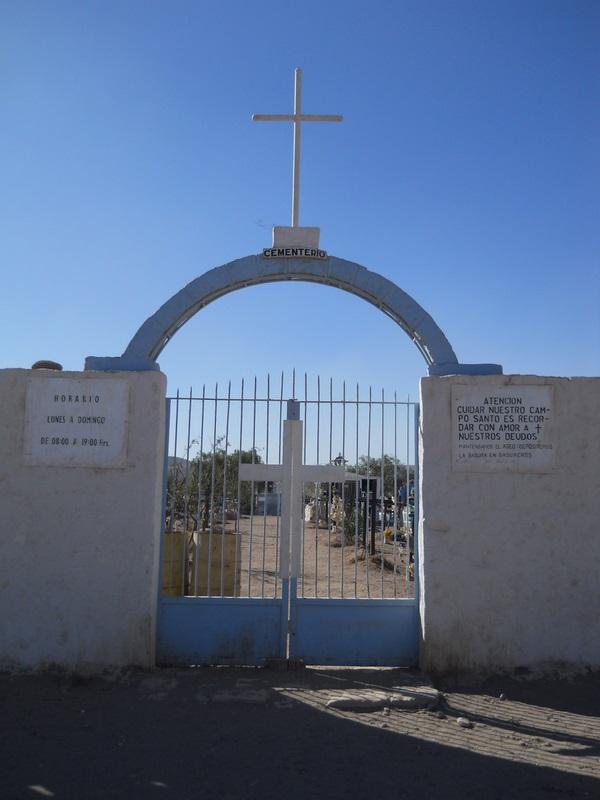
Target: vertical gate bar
[
  {"x": 224, "y": 508},
  {"x": 407, "y": 506},
  {"x": 284, "y": 619},
  {"x": 186, "y": 501},
  {"x": 295, "y": 516},
  {"x": 417, "y": 507},
  {"x": 368, "y": 522},
  {"x": 252, "y": 493},
  {"x": 262, "y": 587},
  {"x": 238, "y": 534},
  {"x": 356, "y": 514},
  {"x": 343, "y": 485},
  {"x": 186, "y": 494},
  {"x": 317, "y": 490},
  {"x": 329, "y": 489},
  {"x": 173, "y": 495},
  {"x": 278, "y": 535},
  {"x": 198, "y": 543},
  {"x": 163, "y": 509},
  {"x": 382, "y": 489},
  {"x": 304, "y": 462},
  {"x": 291, "y": 624},
  {"x": 286, "y": 522},
  {"x": 396, "y": 504},
  {"x": 212, "y": 496}
]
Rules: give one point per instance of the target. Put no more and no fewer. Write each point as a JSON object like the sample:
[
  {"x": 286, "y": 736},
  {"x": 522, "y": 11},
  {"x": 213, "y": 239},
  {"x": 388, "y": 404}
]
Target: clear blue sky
[{"x": 466, "y": 170}]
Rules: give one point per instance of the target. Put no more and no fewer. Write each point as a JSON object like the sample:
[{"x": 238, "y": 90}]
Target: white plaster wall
[
  {"x": 510, "y": 563},
  {"x": 79, "y": 546}
]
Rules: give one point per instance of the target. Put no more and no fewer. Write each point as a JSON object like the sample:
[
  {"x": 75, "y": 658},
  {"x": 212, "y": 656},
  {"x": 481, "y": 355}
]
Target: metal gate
[{"x": 289, "y": 526}]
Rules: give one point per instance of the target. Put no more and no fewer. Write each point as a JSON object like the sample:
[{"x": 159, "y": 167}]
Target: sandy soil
[{"x": 329, "y": 569}]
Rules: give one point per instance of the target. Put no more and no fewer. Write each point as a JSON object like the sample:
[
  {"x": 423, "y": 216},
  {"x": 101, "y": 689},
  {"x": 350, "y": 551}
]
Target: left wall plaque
[{"x": 76, "y": 422}]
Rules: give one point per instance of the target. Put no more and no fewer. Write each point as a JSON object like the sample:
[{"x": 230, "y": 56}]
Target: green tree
[
  {"x": 371, "y": 467},
  {"x": 200, "y": 491}
]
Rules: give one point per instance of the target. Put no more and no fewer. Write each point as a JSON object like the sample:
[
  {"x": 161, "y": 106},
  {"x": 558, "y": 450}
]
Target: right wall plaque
[{"x": 502, "y": 428}]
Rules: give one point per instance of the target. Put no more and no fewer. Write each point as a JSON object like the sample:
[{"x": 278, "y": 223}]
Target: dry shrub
[
  {"x": 375, "y": 559},
  {"x": 358, "y": 556}
]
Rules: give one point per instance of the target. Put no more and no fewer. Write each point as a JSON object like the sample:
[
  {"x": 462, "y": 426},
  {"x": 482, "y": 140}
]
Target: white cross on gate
[
  {"x": 297, "y": 117},
  {"x": 291, "y": 475}
]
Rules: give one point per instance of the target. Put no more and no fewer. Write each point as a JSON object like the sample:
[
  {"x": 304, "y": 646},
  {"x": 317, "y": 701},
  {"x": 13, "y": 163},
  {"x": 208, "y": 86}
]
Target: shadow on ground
[{"x": 245, "y": 733}]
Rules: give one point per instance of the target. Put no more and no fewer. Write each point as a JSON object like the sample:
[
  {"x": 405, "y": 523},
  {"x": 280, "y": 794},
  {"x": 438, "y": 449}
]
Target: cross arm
[
  {"x": 320, "y": 117},
  {"x": 322, "y": 473},
  {"x": 273, "y": 117},
  {"x": 260, "y": 472},
  {"x": 297, "y": 117}
]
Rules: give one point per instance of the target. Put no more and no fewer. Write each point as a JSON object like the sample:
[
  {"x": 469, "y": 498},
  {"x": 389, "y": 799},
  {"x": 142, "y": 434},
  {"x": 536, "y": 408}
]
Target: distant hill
[{"x": 177, "y": 464}]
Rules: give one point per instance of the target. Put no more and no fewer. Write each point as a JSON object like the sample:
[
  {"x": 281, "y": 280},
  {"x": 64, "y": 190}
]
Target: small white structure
[
  {"x": 509, "y": 548},
  {"x": 80, "y": 533}
]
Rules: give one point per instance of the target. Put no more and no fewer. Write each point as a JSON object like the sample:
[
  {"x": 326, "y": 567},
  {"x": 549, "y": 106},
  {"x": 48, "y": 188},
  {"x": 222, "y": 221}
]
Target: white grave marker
[
  {"x": 502, "y": 428},
  {"x": 75, "y": 422}
]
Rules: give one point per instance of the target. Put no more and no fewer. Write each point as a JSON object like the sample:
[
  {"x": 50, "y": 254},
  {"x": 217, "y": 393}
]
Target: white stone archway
[{"x": 151, "y": 338}]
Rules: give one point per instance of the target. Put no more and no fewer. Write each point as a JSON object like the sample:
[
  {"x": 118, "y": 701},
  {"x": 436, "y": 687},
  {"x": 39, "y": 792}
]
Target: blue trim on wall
[
  {"x": 120, "y": 363},
  {"x": 464, "y": 369}
]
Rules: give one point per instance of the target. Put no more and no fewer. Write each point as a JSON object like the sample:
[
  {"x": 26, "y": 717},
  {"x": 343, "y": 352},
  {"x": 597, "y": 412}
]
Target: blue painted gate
[{"x": 289, "y": 528}]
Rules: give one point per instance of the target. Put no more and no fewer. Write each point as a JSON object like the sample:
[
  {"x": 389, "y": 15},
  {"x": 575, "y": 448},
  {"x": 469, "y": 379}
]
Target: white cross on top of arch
[{"x": 297, "y": 118}]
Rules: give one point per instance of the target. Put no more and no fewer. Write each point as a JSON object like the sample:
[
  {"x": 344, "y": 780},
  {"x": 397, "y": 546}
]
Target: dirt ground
[
  {"x": 330, "y": 568},
  {"x": 251, "y": 733}
]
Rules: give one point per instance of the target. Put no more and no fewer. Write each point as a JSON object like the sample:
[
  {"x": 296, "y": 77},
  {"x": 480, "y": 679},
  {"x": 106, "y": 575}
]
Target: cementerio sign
[{"x": 294, "y": 252}]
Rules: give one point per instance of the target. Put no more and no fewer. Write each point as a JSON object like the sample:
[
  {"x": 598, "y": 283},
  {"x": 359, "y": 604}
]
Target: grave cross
[
  {"x": 291, "y": 474},
  {"x": 297, "y": 118}
]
